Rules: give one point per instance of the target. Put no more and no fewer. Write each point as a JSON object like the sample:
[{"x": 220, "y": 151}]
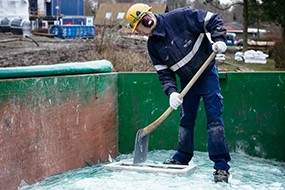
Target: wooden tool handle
[{"x": 148, "y": 129}]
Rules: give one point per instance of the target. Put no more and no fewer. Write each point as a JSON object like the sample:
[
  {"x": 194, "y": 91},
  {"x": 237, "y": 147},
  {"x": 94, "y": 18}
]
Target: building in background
[{"x": 45, "y": 13}]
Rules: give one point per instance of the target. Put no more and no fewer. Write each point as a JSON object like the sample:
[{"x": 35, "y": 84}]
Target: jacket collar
[{"x": 159, "y": 29}]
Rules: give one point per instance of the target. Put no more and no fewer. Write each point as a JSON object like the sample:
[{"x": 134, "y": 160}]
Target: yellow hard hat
[{"x": 135, "y": 14}]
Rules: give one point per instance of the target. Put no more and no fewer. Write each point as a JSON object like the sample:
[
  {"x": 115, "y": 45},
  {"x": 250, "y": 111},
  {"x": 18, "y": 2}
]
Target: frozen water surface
[{"x": 249, "y": 173}]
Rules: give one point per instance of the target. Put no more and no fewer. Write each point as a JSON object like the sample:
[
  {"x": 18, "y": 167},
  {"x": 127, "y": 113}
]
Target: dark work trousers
[{"x": 208, "y": 88}]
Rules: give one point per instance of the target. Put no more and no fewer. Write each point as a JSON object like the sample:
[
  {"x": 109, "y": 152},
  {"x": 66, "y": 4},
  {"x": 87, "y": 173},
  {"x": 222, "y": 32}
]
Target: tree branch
[{"x": 223, "y": 8}]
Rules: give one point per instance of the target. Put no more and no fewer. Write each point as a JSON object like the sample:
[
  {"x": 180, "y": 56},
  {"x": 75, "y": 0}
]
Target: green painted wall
[{"x": 254, "y": 113}]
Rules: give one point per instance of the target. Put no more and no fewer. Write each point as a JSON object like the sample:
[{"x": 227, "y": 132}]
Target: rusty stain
[
  {"x": 37, "y": 142},
  {"x": 136, "y": 111},
  {"x": 243, "y": 105},
  {"x": 259, "y": 117}
]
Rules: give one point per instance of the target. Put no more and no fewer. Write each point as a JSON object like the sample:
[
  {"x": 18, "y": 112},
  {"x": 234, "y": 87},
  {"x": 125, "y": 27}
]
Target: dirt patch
[{"x": 125, "y": 55}]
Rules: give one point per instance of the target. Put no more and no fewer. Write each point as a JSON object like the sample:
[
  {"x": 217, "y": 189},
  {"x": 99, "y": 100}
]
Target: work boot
[
  {"x": 221, "y": 176},
  {"x": 172, "y": 161}
]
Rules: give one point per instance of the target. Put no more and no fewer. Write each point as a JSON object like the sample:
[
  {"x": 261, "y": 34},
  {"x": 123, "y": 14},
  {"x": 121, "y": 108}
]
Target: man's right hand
[
  {"x": 219, "y": 47},
  {"x": 174, "y": 100}
]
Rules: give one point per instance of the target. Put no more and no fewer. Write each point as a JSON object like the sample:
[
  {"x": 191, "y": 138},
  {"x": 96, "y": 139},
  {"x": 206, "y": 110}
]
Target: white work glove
[
  {"x": 174, "y": 100},
  {"x": 219, "y": 47}
]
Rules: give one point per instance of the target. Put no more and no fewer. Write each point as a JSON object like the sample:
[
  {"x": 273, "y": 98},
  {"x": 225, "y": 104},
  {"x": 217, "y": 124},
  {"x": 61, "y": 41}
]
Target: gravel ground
[{"x": 37, "y": 50}]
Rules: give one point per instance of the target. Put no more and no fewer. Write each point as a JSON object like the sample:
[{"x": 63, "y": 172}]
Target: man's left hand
[{"x": 219, "y": 47}]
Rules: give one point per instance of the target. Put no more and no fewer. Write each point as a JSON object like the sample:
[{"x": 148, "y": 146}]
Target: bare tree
[
  {"x": 176, "y": 4},
  {"x": 245, "y": 3},
  {"x": 91, "y": 7},
  {"x": 237, "y": 16}
]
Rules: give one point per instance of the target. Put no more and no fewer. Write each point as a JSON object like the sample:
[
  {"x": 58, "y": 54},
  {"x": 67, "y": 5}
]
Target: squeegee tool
[{"x": 150, "y": 166}]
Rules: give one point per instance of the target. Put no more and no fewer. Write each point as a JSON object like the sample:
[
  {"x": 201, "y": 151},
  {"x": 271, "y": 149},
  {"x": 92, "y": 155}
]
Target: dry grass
[
  {"x": 133, "y": 56},
  {"x": 126, "y": 56}
]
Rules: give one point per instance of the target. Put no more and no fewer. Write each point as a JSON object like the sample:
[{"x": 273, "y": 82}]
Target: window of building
[
  {"x": 108, "y": 15},
  {"x": 121, "y": 15}
]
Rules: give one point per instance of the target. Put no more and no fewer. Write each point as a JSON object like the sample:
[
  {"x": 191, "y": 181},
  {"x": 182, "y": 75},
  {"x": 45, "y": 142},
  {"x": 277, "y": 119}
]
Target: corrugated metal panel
[{"x": 67, "y": 7}]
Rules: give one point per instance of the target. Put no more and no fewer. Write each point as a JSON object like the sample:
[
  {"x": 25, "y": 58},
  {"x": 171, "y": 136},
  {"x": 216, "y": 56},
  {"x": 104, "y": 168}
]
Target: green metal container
[
  {"x": 62, "y": 117},
  {"x": 254, "y": 113},
  {"x": 56, "y": 118}
]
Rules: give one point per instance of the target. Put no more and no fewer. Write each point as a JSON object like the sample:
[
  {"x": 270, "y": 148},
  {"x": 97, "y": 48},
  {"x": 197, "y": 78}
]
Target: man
[{"x": 179, "y": 44}]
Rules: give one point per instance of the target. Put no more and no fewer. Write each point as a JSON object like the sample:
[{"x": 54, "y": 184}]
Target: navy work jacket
[{"x": 181, "y": 42}]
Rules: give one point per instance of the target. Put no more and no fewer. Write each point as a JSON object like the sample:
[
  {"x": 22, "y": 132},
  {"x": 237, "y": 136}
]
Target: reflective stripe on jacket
[{"x": 181, "y": 42}]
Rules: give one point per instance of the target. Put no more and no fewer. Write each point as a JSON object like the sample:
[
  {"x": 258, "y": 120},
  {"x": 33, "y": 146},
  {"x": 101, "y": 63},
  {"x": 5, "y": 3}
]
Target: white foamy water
[{"x": 249, "y": 173}]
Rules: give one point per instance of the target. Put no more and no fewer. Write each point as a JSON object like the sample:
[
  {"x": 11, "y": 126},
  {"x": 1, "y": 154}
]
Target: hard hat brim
[{"x": 135, "y": 26}]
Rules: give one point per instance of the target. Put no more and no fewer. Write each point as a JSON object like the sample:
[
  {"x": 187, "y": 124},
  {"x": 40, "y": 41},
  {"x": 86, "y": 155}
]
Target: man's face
[{"x": 141, "y": 29}]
